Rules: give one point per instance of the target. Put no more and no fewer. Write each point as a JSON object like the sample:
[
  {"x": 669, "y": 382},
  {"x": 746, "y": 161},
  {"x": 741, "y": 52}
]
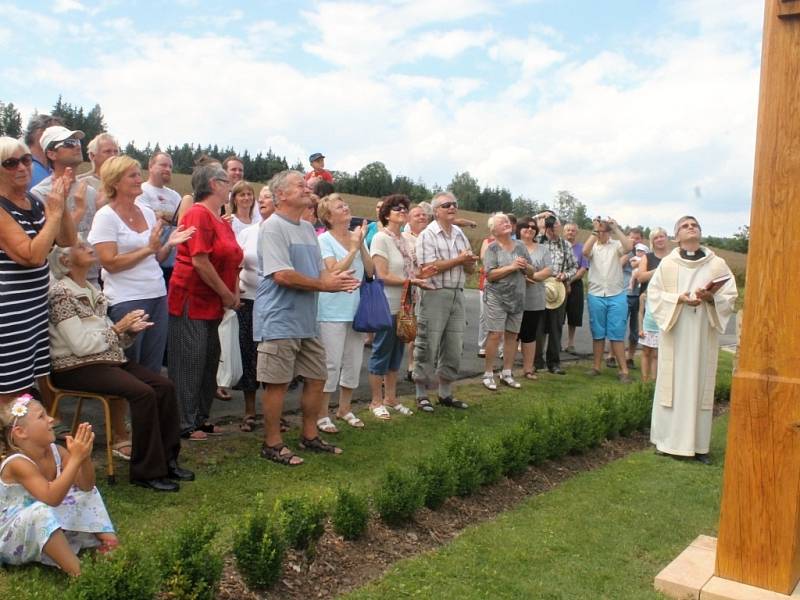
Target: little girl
[{"x": 49, "y": 507}]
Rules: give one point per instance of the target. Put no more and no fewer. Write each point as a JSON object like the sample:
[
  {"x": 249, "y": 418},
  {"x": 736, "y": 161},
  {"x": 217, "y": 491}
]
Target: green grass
[{"x": 230, "y": 472}]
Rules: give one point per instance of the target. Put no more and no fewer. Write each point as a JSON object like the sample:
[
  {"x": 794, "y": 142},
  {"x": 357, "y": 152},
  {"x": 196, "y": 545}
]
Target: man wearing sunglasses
[
  {"x": 62, "y": 148},
  {"x": 442, "y": 320}
]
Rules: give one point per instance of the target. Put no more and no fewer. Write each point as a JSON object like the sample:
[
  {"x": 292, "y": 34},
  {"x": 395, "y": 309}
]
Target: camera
[{"x": 549, "y": 221}]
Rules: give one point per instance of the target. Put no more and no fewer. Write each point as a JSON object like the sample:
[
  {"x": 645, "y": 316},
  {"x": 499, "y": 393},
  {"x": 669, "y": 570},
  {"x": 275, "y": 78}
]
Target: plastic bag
[{"x": 229, "y": 371}]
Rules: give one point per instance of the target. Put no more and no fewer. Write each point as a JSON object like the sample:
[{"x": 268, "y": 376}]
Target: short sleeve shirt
[
  {"x": 508, "y": 292},
  {"x": 144, "y": 279},
  {"x": 434, "y": 244},
  {"x": 605, "y": 272},
  {"x": 534, "y": 292},
  {"x": 214, "y": 237},
  {"x": 384, "y": 246},
  {"x": 282, "y": 312},
  {"x": 338, "y": 306}
]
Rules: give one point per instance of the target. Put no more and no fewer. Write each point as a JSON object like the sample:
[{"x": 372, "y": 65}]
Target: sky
[{"x": 644, "y": 109}]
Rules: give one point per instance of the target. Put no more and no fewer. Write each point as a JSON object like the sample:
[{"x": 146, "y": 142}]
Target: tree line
[{"x": 373, "y": 179}]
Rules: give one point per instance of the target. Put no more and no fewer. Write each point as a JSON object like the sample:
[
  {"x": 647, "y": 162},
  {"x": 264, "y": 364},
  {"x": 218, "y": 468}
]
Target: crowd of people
[{"x": 107, "y": 279}]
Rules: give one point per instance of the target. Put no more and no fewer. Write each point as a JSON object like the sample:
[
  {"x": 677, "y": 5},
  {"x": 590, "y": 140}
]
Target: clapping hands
[{"x": 80, "y": 445}]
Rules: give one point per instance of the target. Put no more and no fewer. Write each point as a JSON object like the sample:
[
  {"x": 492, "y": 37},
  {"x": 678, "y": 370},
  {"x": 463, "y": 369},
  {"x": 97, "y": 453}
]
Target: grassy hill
[{"x": 364, "y": 206}]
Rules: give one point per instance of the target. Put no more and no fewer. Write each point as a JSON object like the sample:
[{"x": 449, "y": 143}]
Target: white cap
[{"x": 57, "y": 133}]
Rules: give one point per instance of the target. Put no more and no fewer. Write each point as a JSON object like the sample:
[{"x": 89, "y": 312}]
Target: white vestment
[{"x": 688, "y": 351}]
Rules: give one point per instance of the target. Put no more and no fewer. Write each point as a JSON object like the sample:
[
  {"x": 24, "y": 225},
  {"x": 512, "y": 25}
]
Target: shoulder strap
[
  {"x": 12, "y": 457},
  {"x": 57, "y": 458}
]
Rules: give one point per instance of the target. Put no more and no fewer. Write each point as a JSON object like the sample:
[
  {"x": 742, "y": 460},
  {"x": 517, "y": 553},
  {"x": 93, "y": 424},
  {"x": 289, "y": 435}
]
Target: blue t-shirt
[
  {"x": 280, "y": 312},
  {"x": 338, "y": 306},
  {"x": 38, "y": 173}
]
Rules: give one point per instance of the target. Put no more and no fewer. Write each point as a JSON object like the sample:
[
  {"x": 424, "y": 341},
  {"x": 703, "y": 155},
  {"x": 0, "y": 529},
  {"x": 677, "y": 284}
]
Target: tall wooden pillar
[{"x": 759, "y": 533}]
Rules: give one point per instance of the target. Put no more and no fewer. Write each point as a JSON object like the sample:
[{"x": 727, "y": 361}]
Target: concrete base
[{"x": 691, "y": 577}]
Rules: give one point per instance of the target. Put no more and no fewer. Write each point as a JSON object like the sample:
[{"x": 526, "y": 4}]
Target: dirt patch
[{"x": 341, "y": 566}]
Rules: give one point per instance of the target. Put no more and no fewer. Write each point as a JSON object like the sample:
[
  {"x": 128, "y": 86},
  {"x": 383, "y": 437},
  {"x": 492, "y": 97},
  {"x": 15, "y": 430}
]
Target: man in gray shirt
[{"x": 285, "y": 316}]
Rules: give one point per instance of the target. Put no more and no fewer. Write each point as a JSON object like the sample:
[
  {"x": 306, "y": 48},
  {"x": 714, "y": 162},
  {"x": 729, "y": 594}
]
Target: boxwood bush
[
  {"x": 399, "y": 495},
  {"x": 350, "y": 515}
]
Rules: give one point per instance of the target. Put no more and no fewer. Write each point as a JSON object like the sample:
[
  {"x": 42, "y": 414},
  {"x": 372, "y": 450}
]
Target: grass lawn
[
  {"x": 604, "y": 534},
  {"x": 639, "y": 493}
]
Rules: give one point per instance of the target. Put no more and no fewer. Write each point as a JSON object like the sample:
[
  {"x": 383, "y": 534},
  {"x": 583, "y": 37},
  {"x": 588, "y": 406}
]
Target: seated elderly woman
[
  {"x": 507, "y": 263},
  {"x": 87, "y": 354}
]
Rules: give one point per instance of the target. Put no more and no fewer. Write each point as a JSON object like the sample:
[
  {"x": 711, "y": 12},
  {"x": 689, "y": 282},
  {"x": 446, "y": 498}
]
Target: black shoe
[
  {"x": 179, "y": 473},
  {"x": 557, "y": 370},
  {"x": 157, "y": 485},
  {"x": 410, "y": 376},
  {"x": 452, "y": 402},
  {"x": 703, "y": 458}
]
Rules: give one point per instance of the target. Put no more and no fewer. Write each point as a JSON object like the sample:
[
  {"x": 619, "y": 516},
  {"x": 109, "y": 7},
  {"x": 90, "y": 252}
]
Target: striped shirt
[
  {"x": 433, "y": 244},
  {"x": 24, "y": 340}
]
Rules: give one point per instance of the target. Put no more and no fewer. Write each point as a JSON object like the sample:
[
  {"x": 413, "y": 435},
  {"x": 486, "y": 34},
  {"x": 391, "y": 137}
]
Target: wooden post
[{"x": 759, "y": 533}]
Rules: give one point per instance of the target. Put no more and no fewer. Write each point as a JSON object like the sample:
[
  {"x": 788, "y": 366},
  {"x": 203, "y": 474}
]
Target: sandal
[
  {"x": 424, "y": 405},
  {"x": 317, "y": 444},
  {"x": 222, "y": 394},
  {"x": 277, "y": 455},
  {"x": 452, "y": 402},
  {"x": 381, "y": 413},
  {"x": 489, "y": 384},
  {"x": 248, "y": 424},
  {"x": 195, "y": 435},
  {"x": 351, "y": 420},
  {"x": 325, "y": 424},
  {"x": 117, "y": 449},
  {"x": 510, "y": 381},
  {"x": 403, "y": 410},
  {"x": 531, "y": 375},
  {"x": 210, "y": 429}
]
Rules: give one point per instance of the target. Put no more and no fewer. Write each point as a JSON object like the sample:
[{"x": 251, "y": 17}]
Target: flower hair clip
[{"x": 19, "y": 408}]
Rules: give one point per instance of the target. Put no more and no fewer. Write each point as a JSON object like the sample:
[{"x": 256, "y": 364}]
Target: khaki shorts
[{"x": 280, "y": 361}]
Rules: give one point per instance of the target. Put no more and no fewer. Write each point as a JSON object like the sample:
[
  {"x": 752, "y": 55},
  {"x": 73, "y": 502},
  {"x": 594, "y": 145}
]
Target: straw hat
[{"x": 554, "y": 293}]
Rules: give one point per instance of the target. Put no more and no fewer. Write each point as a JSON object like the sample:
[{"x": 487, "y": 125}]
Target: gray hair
[
  {"x": 279, "y": 182},
  {"x": 686, "y": 218},
  {"x": 441, "y": 197},
  {"x": 426, "y": 206},
  {"x": 58, "y": 267},
  {"x": 100, "y": 137},
  {"x": 39, "y": 122},
  {"x": 9, "y": 145},
  {"x": 202, "y": 176},
  {"x": 492, "y": 220}
]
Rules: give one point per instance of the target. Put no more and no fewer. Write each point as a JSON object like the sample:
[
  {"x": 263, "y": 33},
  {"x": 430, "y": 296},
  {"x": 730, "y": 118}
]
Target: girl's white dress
[{"x": 26, "y": 524}]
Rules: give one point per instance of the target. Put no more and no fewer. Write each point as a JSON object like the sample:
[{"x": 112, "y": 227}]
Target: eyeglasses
[
  {"x": 448, "y": 205},
  {"x": 68, "y": 143},
  {"x": 13, "y": 163},
  {"x": 399, "y": 208}
]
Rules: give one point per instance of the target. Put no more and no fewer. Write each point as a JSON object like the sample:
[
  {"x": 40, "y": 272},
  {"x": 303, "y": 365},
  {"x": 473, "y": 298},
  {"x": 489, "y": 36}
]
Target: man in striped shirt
[{"x": 442, "y": 320}]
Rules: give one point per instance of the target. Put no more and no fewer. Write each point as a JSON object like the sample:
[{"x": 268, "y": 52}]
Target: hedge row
[{"x": 187, "y": 567}]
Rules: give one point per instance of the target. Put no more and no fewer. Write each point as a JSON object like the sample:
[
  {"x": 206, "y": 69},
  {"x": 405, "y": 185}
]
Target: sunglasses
[
  {"x": 398, "y": 208},
  {"x": 68, "y": 143},
  {"x": 448, "y": 205},
  {"x": 13, "y": 163}
]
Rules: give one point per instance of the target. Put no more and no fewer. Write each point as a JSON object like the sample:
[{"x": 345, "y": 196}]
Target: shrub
[
  {"x": 611, "y": 412},
  {"x": 127, "y": 574},
  {"x": 722, "y": 390},
  {"x": 350, "y": 515},
  {"x": 560, "y": 439},
  {"x": 492, "y": 461},
  {"x": 515, "y": 446},
  {"x": 641, "y": 400},
  {"x": 464, "y": 448},
  {"x": 191, "y": 569},
  {"x": 258, "y": 548},
  {"x": 398, "y": 496},
  {"x": 302, "y": 521},
  {"x": 437, "y": 478},
  {"x": 538, "y": 433},
  {"x": 588, "y": 425}
]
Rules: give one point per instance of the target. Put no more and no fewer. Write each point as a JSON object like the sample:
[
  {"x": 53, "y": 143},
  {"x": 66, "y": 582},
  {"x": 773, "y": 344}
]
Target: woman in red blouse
[{"x": 205, "y": 281}]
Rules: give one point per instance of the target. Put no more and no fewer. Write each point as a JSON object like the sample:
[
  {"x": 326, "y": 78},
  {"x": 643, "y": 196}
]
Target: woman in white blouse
[{"x": 126, "y": 237}]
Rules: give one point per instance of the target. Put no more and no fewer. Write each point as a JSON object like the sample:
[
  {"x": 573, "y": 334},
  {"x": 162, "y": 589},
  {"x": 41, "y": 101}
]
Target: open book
[{"x": 717, "y": 283}]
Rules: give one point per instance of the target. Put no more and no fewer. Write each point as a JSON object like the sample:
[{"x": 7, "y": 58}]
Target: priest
[{"x": 691, "y": 296}]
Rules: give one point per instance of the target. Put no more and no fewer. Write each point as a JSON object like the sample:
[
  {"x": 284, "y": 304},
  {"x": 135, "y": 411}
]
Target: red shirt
[
  {"x": 215, "y": 238},
  {"x": 323, "y": 174}
]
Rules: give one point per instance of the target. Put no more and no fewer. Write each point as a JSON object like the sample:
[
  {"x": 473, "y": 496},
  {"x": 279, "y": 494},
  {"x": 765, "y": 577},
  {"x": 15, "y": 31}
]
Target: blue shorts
[
  {"x": 387, "y": 351},
  {"x": 608, "y": 317}
]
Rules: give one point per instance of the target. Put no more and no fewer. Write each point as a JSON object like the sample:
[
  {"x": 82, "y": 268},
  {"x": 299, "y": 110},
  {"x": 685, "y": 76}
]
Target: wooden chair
[{"x": 57, "y": 395}]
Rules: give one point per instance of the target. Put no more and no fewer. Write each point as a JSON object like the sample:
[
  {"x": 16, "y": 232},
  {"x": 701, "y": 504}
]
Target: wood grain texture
[{"x": 759, "y": 534}]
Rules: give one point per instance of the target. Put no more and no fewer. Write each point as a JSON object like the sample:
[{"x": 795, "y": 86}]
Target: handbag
[
  {"x": 406, "y": 319},
  {"x": 372, "y": 314},
  {"x": 229, "y": 371}
]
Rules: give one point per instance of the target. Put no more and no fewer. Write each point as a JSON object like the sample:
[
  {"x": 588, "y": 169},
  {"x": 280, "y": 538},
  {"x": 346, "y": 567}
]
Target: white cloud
[{"x": 63, "y": 6}]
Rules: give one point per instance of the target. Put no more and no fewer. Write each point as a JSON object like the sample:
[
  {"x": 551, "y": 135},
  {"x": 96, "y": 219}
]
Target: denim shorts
[{"x": 387, "y": 351}]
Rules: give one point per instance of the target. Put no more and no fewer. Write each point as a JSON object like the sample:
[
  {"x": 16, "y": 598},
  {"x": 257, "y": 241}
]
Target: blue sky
[{"x": 645, "y": 110}]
